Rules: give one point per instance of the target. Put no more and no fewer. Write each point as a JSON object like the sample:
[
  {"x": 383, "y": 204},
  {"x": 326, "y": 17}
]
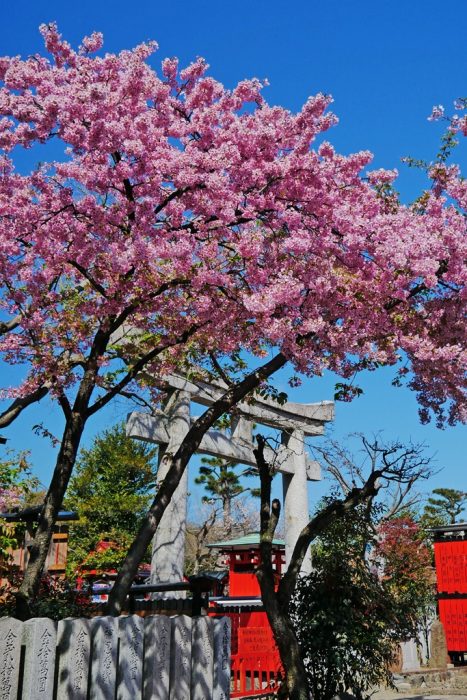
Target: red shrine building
[
  {"x": 256, "y": 666},
  {"x": 450, "y": 543}
]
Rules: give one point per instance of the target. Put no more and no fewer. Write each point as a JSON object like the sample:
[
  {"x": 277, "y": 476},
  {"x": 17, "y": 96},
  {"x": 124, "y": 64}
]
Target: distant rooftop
[
  {"x": 251, "y": 540},
  {"x": 454, "y": 527},
  {"x": 31, "y": 514},
  {"x": 450, "y": 533}
]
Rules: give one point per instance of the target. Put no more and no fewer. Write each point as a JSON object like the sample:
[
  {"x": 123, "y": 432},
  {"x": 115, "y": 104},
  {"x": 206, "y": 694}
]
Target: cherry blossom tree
[{"x": 176, "y": 220}]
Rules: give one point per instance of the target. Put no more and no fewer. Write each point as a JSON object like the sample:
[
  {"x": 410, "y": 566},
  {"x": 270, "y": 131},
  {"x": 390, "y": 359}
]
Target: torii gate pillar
[
  {"x": 168, "y": 545},
  {"x": 295, "y": 490}
]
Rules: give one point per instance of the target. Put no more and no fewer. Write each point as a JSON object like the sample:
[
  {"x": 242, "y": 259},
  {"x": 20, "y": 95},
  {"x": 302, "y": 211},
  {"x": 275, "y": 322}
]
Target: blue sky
[{"x": 386, "y": 64}]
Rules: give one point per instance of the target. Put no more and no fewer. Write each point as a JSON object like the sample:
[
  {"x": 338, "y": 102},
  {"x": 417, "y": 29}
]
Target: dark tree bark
[
  {"x": 18, "y": 405},
  {"x": 48, "y": 516},
  {"x": 76, "y": 417},
  {"x": 296, "y": 683}
]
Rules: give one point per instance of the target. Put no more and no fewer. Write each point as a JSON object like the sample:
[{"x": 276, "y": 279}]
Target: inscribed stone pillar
[
  {"x": 40, "y": 639},
  {"x": 439, "y": 650},
  {"x": 168, "y": 553},
  {"x": 221, "y": 642},
  {"x": 74, "y": 648},
  {"x": 202, "y": 660},
  {"x": 130, "y": 657},
  {"x": 104, "y": 658},
  {"x": 180, "y": 658},
  {"x": 11, "y": 631},
  {"x": 295, "y": 488},
  {"x": 410, "y": 658},
  {"x": 157, "y": 640}
]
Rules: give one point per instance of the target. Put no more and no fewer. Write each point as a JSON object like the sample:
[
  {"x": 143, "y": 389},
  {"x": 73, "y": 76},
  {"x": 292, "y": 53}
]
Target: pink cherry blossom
[
  {"x": 436, "y": 113},
  {"x": 178, "y": 206}
]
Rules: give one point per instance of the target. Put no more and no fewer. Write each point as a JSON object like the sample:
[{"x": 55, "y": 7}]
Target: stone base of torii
[{"x": 167, "y": 428}]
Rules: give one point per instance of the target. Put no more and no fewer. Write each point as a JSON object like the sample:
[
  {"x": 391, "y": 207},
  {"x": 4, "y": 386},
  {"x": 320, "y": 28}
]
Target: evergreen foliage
[
  {"x": 446, "y": 509},
  {"x": 17, "y": 486},
  {"x": 222, "y": 483},
  {"x": 111, "y": 490},
  {"x": 358, "y": 603}
]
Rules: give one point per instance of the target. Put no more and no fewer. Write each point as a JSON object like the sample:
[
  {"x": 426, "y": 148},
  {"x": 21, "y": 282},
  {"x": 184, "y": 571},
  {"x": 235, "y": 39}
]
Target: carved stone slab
[
  {"x": 11, "y": 632},
  {"x": 410, "y": 658},
  {"x": 157, "y": 638},
  {"x": 221, "y": 648},
  {"x": 104, "y": 658},
  {"x": 180, "y": 658},
  {"x": 39, "y": 638},
  {"x": 130, "y": 660},
  {"x": 439, "y": 650},
  {"x": 202, "y": 659},
  {"x": 74, "y": 647}
]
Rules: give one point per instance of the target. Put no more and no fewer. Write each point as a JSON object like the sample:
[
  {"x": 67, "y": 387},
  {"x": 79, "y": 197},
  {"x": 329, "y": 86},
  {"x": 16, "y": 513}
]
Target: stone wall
[{"x": 443, "y": 682}]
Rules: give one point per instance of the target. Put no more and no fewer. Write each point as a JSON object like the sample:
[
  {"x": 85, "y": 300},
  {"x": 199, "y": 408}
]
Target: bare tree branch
[
  {"x": 137, "y": 398},
  {"x": 219, "y": 369},
  {"x": 175, "y": 193},
  {"x": 7, "y": 326},
  {"x": 138, "y": 366},
  {"x": 19, "y": 404},
  {"x": 316, "y": 526},
  {"x": 131, "y": 308},
  {"x": 403, "y": 466},
  {"x": 82, "y": 270}
]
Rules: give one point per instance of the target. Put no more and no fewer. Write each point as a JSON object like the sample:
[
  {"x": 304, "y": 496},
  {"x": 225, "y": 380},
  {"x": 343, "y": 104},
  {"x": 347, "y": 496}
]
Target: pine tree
[
  {"x": 222, "y": 483},
  {"x": 446, "y": 509}
]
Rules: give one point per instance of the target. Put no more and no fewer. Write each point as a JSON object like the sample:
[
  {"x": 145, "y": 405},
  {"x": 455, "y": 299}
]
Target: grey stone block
[
  {"x": 221, "y": 647},
  {"x": 40, "y": 639},
  {"x": 104, "y": 658},
  {"x": 202, "y": 659},
  {"x": 403, "y": 687},
  {"x": 11, "y": 632},
  {"x": 74, "y": 649},
  {"x": 180, "y": 658},
  {"x": 157, "y": 640},
  {"x": 130, "y": 660}
]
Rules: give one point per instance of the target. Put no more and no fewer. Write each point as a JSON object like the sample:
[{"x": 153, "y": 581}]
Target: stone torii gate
[{"x": 167, "y": 428}]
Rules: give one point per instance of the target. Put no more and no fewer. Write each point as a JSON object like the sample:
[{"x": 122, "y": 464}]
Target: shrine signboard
[{"x": 255, "y": 640}]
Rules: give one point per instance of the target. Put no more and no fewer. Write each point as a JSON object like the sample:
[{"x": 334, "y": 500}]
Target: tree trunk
[
  {"x": 146, "y": 532},
  {"x": 227, "y": 514},
  {"x": 53, "y": 501},
  {"x": 286, "y": 641},
  {"x": 129, "y": 568},
  {"x": 76, "y": 418},
  {"x": 296, "y": 682}
]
